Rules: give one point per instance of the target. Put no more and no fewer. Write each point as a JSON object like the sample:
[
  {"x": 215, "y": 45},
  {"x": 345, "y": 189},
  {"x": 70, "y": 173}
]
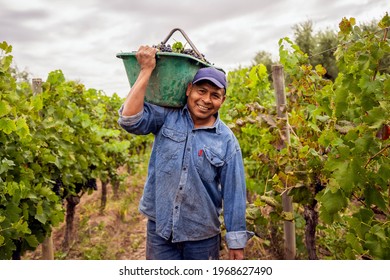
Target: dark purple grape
[{"x": 167, "y": 48}]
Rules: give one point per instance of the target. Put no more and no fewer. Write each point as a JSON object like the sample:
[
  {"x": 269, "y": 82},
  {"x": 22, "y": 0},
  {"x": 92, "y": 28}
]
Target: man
[{"x": 195, "y": 169}]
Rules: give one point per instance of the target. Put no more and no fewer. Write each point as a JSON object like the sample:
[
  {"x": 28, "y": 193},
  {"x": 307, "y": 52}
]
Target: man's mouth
[{"x": 202, "y": 108}]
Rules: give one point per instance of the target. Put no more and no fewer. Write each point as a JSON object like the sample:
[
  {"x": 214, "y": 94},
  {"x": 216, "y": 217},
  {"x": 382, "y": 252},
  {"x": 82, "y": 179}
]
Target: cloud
[
  {"x": 83, "y": 37},
  {"x": 15, "y": 24}
]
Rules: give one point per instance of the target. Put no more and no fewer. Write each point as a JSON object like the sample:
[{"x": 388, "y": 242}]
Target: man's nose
[{"x": 206, "y": 98}]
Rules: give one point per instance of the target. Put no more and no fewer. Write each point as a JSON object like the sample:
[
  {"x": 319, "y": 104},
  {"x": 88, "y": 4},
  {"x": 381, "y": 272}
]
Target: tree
[
  {"x": 323, "y": 53},
  {"x": 303, "y": 37}
]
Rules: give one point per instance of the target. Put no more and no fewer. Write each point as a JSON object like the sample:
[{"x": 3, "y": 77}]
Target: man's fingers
[{"x": 147, "y": 49}]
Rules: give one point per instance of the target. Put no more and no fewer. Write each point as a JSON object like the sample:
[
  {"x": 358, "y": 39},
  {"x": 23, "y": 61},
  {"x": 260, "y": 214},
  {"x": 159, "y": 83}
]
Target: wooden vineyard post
[
  {"x": 37, "y": 85},
  {"x": 47, "y": 245},
  {"x": 281, "y": 105},
  {"x": 47, "y": 248}
]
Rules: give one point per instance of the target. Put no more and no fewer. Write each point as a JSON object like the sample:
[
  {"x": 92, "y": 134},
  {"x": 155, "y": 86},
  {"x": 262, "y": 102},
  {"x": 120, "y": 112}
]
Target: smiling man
[
  {"x": 205, "y": 96},
  {"x": 195, "y": 169}
]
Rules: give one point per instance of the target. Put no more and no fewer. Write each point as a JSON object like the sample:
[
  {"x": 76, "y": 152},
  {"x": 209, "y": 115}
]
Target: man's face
[{"x": 204, "y": 100}]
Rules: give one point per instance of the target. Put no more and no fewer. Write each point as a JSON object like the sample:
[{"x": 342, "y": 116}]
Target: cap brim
[{"x": 214, "y": 81}]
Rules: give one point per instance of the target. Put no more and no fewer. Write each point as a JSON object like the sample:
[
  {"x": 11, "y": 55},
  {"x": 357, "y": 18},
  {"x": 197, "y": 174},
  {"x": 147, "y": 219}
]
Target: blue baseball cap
[{"x": 211, "y": 74}]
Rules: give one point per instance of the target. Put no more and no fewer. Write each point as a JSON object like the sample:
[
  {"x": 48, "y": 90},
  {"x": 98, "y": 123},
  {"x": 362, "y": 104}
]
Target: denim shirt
[{"x": 192, "y": 175}]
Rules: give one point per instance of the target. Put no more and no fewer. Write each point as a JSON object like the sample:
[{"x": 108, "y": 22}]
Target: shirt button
[
  {"x": 176, "y": 207},
  {"x": 184, "y": 168},
  {"x": 180, "y": 188}
]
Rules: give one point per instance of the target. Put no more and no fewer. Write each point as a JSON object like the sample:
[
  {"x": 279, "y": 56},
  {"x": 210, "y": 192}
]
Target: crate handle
[{"x": 188, "y": 40}]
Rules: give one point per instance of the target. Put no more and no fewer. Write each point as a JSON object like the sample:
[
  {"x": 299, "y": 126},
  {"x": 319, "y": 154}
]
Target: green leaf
[
  {"x": 22, "y": 128},
  {"x": 21, "y": 227},
  {"x": 385, "y": 21},
  {"x": 32, "y": 241},
  {"x": 354, "y": 242},
  {"x": 374, "y": 197},
  {"x": 376, "y": 117},
  {"x": 361, "y": 222},
  {"x": 379, "y": 231},
  {"x": 6, "y": 165},
  {"x": 375, "y": 246},
  {"x": 329, "y": 137},
  {"x": 327, "y": 217},
  {"x": 177, "y": 47},
  {"x": 6, "y": 62},
  {"x": 55, "y": 77},
  {"x": 365, "y": 215},
  {"x": 5, "y": 108},
  {"x": 25, "y": 210},
  {"x": 40, "y": 215},
  {"x": 7, "y": 125},
  {"x": 287, "y": 216},
  {"x": 383, "y": 171},
  {"x": 333, "y": 201},
  {"x": 341, "y": 104},
  {"x": 82, "y": 161},
  {"x": 5, "y": 47},
  {"x": 356, "y": 226},
  {"x": 37, "y": 102}
]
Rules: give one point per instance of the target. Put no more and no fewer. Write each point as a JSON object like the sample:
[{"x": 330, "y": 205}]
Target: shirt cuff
[
  {"x": 238, "y": 239},
  {"x": 129, "y": 120}
]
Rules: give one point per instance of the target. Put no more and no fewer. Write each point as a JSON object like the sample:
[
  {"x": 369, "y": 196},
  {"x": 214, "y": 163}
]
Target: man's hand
[
  {"x": 146, "y": 57},
  {"x": 236, "y": 254}
]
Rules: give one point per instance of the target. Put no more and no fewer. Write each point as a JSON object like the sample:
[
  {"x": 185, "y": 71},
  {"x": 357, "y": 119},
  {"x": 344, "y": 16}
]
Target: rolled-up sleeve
[
  {"x": 129, "y": 120},
  {"x": 149, "y": 120},
  {"x": 238, "y": 239}
]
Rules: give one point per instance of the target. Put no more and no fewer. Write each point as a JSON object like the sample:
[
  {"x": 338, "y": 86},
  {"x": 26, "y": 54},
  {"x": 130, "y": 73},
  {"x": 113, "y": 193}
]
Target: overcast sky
[{"x": 82, "y": 37}]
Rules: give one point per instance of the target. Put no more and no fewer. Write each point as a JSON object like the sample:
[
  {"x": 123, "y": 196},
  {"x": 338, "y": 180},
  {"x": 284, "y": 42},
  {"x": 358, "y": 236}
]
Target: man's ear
[
  {"x": 223, "y": 98},
  {"x": 189, "y": 87}
]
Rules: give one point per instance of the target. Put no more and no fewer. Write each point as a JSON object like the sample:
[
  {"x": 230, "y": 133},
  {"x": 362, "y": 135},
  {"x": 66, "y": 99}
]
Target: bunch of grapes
[
  {"x": 168, "y": 48},
  {"x": 163, "y": 48},
  {"x": 58, "y": 187},
  {"x": 60, "y": 190}
]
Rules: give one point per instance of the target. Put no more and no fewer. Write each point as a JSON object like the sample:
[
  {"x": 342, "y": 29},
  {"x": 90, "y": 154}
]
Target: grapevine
[
  {"x": 337, "y": 167},
  {"x": 55, "y": 145}
]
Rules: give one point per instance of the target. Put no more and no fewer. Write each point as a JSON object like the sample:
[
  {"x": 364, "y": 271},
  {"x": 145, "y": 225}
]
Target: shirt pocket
[
  {"x": 208, "y": 163},
  {"x": 171, "y": 146}
]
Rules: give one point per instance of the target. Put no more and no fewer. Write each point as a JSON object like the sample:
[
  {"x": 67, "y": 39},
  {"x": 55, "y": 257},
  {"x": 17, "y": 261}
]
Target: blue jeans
[{"x": 158, "y": 248}]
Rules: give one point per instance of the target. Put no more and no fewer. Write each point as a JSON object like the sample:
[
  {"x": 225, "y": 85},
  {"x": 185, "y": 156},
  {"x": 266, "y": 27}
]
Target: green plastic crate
[{"x": 168, "y": 83}]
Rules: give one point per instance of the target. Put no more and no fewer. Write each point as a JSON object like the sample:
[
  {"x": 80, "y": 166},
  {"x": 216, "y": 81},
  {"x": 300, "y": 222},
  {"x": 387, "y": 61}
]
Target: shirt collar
[{"x": 215, "y": 127}]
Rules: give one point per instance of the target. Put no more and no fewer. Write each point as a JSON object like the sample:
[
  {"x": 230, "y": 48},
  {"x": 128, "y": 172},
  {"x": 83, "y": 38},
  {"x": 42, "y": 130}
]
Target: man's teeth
[{"x": 203, "y": 107}]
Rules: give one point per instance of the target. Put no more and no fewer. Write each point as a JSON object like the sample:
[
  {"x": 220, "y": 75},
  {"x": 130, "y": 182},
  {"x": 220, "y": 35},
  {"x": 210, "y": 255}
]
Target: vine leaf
[
  {"x": 333, "y": 202},
  {"x": 7, "y": 125},
  {"x": 374, "y": 197},
  {"x": 5, "y": 108},
  {"x": 385, "y": 21}
]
